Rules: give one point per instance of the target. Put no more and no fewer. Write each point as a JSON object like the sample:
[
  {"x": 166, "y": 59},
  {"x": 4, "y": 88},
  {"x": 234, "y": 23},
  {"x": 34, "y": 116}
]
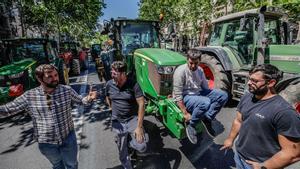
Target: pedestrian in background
[
  {"x": 126, "y": 100},
  {"x": 268, "y": 127},
  {"x": 194, "y": 98},
  {"x": 50, "y": 107}
]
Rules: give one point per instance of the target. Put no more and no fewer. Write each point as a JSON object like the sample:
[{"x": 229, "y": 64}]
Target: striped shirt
[{"x": 51, "y": 113}]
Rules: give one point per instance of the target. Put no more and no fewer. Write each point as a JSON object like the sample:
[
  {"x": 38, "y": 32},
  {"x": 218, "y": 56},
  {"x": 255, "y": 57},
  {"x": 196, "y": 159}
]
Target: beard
[
  {"x": 260, "y": 91},
  {"x": 52, "y": 84}
]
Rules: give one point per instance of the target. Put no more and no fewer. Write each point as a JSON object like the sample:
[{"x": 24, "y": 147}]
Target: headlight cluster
[
  {"x": 17, "y": 75},
  {"x": 165, "y": 69}
]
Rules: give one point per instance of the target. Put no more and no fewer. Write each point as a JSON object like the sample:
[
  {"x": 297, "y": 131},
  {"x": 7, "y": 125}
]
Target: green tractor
[
  {"x": 241, "y": 40},
  {"x": 137, "y": 42},
  {"x": 75, "y": 57},
  {"x": 19, "y": 58}
]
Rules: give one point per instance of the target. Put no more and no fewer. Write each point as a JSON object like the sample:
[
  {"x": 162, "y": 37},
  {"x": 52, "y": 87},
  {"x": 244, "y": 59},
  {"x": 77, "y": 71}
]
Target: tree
[{"x": 74, "y": 17}]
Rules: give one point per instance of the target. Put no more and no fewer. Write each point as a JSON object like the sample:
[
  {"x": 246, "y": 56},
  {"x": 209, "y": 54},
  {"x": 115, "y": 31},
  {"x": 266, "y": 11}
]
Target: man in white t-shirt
[{"x": 194, "y": 98}]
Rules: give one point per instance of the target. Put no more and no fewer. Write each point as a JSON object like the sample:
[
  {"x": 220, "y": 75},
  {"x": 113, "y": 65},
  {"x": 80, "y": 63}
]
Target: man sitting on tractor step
[{"x": 194, "y": 98}]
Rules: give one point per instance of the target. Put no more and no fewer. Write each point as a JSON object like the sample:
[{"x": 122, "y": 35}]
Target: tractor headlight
[
  {"x": 17, "y": 75},
  {"x": 165, "y": 69}
]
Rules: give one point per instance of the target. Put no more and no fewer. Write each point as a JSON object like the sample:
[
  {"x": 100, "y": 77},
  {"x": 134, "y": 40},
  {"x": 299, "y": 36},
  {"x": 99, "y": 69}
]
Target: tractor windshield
[
  {"x": 22, "y": 50},
  {"x": 137, "y": 35}
]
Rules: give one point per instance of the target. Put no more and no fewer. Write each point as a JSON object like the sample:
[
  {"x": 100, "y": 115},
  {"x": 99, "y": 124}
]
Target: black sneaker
[
  {"x": 191, "y": 134},
  {"x": 208, "y": 127},
  {"x": 132, "y": 153}
]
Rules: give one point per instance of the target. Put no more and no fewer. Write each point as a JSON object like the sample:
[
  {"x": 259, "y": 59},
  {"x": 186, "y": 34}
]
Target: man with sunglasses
[
  {"x": 126, "y": 100},
  {"x": 50, "y": 106},
  {"x": 194, "y": 98},
  {"x": 267, "y": 126}
]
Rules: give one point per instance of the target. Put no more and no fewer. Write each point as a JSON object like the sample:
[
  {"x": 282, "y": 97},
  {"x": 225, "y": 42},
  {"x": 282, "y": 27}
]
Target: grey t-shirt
[
  {"x": 187, "y": 82},
  {"x": 262, "y": 122},
  {"x": 123, "y": 100}
]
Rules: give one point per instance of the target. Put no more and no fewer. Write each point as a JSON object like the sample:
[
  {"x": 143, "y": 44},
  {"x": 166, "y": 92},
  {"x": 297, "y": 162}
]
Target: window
[
  {"x": 271, "y": 31},
  {"x": 216, "y": 35},
  {"x": 139, "y": 35}
]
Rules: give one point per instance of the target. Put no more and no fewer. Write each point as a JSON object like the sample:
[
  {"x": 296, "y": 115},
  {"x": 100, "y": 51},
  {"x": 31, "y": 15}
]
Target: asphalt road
[{"x": 97, "y": 148}]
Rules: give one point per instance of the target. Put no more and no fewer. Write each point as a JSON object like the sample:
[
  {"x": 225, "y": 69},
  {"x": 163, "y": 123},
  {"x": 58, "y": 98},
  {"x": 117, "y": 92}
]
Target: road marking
[{"x": 80, "y": 110}]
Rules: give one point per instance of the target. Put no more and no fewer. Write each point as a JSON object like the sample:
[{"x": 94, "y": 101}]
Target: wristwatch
[{"x": 263, "y": 167}]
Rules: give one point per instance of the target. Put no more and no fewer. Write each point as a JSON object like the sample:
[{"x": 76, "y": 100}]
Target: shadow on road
[
  {"x": 206, "y": 153},
  {"x": 26, "y": 134},
  {"x": 156, "y": 155}
]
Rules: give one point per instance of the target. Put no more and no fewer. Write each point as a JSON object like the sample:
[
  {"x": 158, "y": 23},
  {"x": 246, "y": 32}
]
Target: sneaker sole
[
  {"x": 207, "y": 130},
  {"x": 186, "y": 130}
]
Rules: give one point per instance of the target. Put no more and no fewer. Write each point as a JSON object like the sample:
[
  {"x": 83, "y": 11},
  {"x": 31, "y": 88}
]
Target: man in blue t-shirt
[
  {"x": 268, "y": 127},
  {"x": 126, "y": 100}
]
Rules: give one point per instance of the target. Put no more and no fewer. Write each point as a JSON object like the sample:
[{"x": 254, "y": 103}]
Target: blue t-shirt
[
  {"x": 262, "y": 122},
  {"x": 123, "y": 100}
]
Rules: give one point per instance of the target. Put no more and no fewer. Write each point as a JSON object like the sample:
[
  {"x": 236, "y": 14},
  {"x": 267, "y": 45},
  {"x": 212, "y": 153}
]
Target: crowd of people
[{"x": 266, "y": 125}]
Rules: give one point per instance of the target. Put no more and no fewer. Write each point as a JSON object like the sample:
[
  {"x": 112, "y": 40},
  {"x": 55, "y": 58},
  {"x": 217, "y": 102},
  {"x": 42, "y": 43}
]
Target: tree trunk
[{"x": 298, "y": 35}]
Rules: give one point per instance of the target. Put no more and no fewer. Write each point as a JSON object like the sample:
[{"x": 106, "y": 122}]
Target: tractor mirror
[
  {"x": 105, "y": 28},
  {"x": 263, "y": 9}
]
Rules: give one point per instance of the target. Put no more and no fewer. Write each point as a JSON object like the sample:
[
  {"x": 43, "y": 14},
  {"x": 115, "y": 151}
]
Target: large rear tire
[
  {"x": 292, "y": 95},
  {"x": 75, "y": 67},
  {"x": 214, "y": 73}
]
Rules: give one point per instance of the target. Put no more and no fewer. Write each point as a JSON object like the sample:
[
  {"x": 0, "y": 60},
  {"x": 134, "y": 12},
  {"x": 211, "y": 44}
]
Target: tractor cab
[
  {"x": 19, "y": 58},
  {"x": 244, "y": 32},
  {"x": 41, "y": 50},
  {"x": 244, "y": 39},
  {"x": 128, "y": 35}
]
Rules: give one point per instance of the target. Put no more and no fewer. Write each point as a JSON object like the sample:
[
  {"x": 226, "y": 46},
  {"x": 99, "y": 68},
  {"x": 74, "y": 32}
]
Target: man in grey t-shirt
[
  {"x": 194, "y": 98},
  {"x": 267, "y": 126},
  {"x": 126, "y": 99}
]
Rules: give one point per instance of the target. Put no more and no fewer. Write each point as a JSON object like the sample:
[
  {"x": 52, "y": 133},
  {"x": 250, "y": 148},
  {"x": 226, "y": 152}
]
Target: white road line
[{"x": 80, "y": 109}]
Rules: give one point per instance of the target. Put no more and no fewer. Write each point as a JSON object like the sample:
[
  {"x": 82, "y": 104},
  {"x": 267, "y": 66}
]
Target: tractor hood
[
  {"x": 161, "y": 57},
  {"x": 286, "y": 57},
  {"x": 16, "y": 67}
]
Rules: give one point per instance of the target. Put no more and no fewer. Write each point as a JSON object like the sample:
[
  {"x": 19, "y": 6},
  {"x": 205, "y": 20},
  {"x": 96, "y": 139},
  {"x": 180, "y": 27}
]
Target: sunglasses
[{"x": 49, "y": 102}]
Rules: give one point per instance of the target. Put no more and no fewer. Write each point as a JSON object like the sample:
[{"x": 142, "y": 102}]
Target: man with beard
[
  {"x": 194, "y": 98},
  {"x": 126, "y": 100},
  {"x": 50, "y": 107},
  {"x": 268, "y": 127}
]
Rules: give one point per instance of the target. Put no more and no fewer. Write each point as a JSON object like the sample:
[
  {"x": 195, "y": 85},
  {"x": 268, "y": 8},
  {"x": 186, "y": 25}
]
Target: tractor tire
[
  {"x": 292, "y": 95},
  {"x": 75, "y": 67},
  {"x": 63, "y": 74},
  {"x": 214, "y": 73}
]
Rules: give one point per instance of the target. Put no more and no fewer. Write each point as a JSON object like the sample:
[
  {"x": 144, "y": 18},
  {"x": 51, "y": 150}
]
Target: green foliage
[
  {"x": 190, "y": 13},
  {"x": 193, "y": 13},
  {"x": 76, "y": 18}
]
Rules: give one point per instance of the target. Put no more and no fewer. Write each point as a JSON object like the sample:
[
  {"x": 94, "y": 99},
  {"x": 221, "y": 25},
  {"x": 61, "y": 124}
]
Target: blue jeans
[
  {"x": 64, "y": 155},
  {"x": 205, "y": 105},
  {"x": 123, "y": 131},
  {"x": 240, "y": 162}
]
